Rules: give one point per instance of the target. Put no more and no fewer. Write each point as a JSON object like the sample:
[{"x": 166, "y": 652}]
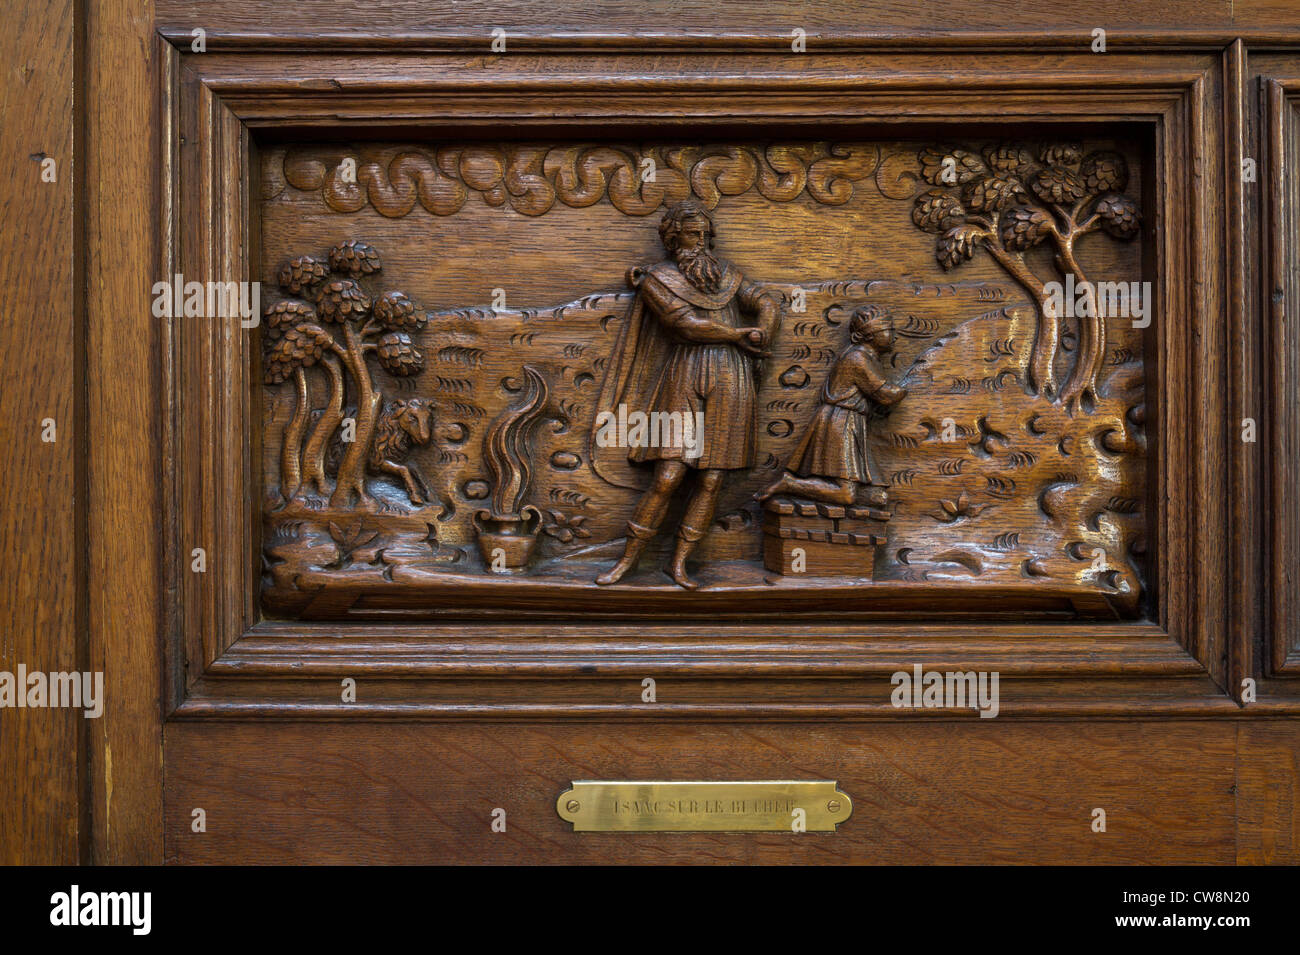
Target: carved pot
[{"x": 508, "y": 539}]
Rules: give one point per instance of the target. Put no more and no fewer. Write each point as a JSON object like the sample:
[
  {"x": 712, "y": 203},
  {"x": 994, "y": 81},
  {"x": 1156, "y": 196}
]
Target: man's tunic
[{"x": 713, "y": 378}]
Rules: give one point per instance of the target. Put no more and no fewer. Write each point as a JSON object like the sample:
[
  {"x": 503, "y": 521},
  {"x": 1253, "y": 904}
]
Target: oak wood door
[{"x": 949, "y": 356}]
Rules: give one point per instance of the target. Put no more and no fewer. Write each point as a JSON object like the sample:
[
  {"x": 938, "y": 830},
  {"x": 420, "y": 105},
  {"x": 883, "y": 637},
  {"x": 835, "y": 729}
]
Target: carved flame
[{"x": 505, "y": 445}]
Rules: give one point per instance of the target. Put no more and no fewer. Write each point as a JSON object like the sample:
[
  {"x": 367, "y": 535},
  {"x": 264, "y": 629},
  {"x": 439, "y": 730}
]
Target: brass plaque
[{"x": 780, "y": 805}]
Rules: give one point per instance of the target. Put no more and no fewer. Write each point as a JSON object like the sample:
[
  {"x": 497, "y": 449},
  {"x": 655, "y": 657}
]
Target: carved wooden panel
[
  {"x": 861, "y": 385},
  {"x": 901, "y": 454}
]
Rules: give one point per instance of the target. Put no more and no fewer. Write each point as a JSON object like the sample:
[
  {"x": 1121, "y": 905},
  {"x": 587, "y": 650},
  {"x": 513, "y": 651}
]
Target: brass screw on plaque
[
  {"x": 571, "y": 805},
  {"x": 833, "y": 805}
]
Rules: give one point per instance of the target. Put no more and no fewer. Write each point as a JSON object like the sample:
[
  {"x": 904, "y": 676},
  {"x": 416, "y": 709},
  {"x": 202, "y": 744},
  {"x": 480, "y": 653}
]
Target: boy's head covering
[{"x": 870, "y": 319}]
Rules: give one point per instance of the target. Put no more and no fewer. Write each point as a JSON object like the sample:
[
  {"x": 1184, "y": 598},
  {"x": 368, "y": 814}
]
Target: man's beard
[{"x": 700, "y": 268}]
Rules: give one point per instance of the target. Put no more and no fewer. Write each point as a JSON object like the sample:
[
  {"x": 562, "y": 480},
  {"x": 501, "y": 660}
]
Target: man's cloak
[{"x": 640, "y": 353}]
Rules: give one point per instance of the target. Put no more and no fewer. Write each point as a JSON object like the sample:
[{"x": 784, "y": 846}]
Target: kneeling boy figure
[{"x": 834, "y": 463}]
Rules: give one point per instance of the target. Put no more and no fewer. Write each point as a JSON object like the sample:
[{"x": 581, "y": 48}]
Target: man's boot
[
  {"x": 637, "y": 538},
  {"x": 695, "y": 522},
  {"x": 687, "y": 538}
]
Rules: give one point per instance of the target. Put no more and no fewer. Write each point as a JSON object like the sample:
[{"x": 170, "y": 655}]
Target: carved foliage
[
  {"x": 1008, "y": 200},
  {"x": 335, "y": 323}
]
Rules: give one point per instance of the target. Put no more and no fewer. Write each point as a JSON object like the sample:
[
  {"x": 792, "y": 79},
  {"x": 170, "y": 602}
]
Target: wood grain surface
[
  {"x": 921, "y": 794},
  {"x": 123, "y": 584},
  {"x": 730, "y": 16},
  {"x": 1268, "y": 794},
  {"x": 40, "y": 749}
]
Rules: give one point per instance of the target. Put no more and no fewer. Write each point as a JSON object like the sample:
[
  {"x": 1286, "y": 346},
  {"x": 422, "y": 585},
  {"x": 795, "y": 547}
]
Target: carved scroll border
[{"x": 224, "y": 663}]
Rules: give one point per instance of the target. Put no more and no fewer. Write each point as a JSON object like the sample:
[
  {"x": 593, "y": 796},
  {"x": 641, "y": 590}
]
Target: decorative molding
[
  {"x": 1281, "y": 134},
  {"x": 848, "y": 41},
  {"x": 220, "y": 100},
  {"x": 531, "y": 179}
]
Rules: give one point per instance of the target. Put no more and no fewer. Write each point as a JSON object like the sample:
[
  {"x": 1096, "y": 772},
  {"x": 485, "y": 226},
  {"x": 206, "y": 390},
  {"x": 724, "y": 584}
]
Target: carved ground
[{"x": 991, "y": 482}]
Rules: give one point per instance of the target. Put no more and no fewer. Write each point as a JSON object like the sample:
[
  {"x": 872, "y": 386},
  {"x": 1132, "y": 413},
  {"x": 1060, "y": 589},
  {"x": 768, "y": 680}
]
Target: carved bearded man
[{"x": 686, "y": 350}]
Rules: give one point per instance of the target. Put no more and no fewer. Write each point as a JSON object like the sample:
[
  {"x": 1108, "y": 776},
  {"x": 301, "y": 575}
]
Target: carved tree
[
  {"x": 1007, "y": 202},
  {"x": 378, "y": 327},
  {"x": 294, "y": 343}
]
